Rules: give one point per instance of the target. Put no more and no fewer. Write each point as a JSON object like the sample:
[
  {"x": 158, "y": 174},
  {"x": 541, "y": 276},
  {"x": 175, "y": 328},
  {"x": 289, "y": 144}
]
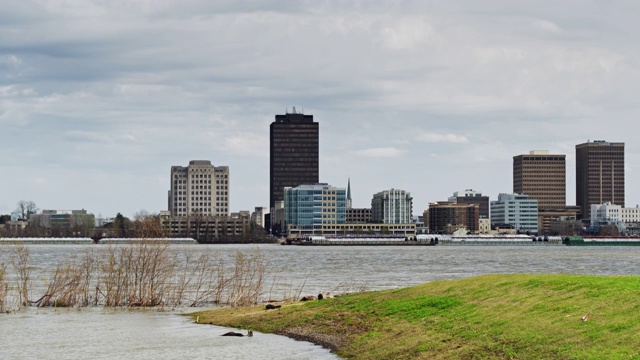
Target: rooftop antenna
[{"x": 294, "y": 109}]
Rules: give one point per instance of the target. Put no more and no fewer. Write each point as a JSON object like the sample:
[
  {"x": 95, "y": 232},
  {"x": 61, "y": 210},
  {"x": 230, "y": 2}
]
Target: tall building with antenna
[
  {"x": 599, "y": 174},
  {"x": 294, "y": 158}
]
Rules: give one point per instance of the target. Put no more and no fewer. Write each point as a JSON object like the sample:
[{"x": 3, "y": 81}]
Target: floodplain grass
[{"x": 484, "y": 317}]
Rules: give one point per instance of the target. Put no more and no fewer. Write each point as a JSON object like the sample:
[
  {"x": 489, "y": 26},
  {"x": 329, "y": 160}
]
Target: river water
[{"x": 98, "y": 333}]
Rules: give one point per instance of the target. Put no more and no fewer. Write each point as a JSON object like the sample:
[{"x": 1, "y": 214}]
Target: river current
[{"x": 97, "y": 333}]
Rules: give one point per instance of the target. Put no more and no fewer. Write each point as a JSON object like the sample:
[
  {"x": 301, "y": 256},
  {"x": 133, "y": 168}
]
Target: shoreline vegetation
[
  {"x": 490, "y": 316},
  {"x": 143, "y": 274}
]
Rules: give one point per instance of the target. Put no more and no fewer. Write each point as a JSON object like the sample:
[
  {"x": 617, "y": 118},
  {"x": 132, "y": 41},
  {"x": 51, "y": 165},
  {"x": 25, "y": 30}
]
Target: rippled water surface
[{"x": 122, "y": 334}]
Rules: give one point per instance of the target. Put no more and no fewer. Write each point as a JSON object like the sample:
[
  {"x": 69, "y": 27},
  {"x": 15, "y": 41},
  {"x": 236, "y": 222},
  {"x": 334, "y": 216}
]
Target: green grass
[{"x": 486, "y": 317}]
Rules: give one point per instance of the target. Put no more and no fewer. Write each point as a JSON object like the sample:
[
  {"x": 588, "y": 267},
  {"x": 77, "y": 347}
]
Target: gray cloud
[{"x": 408, "y": 94}]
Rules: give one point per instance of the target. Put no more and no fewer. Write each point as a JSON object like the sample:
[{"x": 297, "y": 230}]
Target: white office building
[
  {"x": 516, "y": 210},
  {"x": 199, "y": 189},
  {"x": 612, "y": 213},
  {"x": 258, "y": 215},
  {"x": 393, "y": 206}
]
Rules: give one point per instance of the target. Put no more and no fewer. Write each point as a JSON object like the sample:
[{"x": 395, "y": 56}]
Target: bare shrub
[
  {"x": 206, "y": 287},
  {"x": 70, "y": 284},
  {"x": 143, "y": 274},
  {"x": 4, "y": 287},
  {"x": 20, "y": 263},
  {"x": 245, "y": 285}
]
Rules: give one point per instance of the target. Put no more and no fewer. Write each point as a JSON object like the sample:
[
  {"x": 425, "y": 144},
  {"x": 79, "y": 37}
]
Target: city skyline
[{"x": 99, "y": 100}]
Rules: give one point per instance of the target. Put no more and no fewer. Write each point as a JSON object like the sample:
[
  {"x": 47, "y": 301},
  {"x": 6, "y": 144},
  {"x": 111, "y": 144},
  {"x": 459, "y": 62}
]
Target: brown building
[
  {"x": 294, "y": 155},
  {"x": 443, "y": 216},
  {"x": 542, "y": 176},
  {"x": 358, "y": 216},
  {"x": 470, "y": 197},
  {"x": 547, "y": 219},
  {"x": 599, "y": 175}
]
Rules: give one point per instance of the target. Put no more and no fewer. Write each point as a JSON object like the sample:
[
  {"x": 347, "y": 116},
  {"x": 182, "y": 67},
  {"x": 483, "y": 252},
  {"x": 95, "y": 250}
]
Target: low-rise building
[
  {"x": 358, "y": 215},
  {"x": 484, "y": 226},
  {"x": 470, "y": 196},
  {"x": 446, "y": 217},
  {"x": 215, "y": 229},
  {"x": 516, "y": 210},
  {"x": 64, "y": 222},
  {"x": 546, "y": 218}
]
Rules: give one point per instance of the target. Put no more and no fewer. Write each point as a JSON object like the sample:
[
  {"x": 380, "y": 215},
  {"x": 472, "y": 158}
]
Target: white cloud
[
  {"x": 443, "y": 138},
  {"x": 546, "y": 26},
  {"x": 384, "y": 152},
  {"x": 408, "y": 33},
  {"x": 247, "y": 144},
  {"x": 38, "y": 181}
]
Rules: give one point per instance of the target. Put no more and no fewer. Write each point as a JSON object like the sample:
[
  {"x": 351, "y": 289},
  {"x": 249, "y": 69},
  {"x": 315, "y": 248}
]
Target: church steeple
[{"x": 349, "y": 194}]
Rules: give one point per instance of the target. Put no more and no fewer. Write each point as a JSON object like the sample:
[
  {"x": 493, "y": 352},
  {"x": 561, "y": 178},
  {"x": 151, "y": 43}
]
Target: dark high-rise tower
[
  {"x": 294, "y": 154},
  {"x": 599, "y": 174},
  {"x": 543, "y": 177}
]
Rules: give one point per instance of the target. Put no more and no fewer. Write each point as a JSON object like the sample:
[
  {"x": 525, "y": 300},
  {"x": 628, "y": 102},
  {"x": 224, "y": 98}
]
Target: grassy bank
[{"x": 492, "y": 316}]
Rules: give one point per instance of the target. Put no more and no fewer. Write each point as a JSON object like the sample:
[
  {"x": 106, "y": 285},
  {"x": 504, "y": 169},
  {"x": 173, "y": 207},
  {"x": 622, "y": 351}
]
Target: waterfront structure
[
  {"x": 447, "y": 217},
  {"x": 542, "y": 176},
  {"x": 308, "y": 208},
  {"x": 199, "y": 189},
  {"x": 393, "y": 206},
  {"x": 516, "y": 210},
  {"x": 470, "y": 197},
  {"x": 294, "y": 156},
  {"x": 358, "y": 215},
  {"x": 599, "y": 175}
]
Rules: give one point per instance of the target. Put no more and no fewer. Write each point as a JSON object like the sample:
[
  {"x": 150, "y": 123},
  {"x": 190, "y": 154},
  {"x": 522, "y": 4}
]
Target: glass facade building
[{"x": 309, "y": 207}]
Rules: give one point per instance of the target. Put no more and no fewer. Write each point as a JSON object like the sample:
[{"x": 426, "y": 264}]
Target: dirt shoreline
[{"x": 331, "y": 342}]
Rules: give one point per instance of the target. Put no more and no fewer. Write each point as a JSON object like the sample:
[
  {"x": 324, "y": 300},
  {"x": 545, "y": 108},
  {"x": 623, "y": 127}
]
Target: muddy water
[{"x": 98, "y": 333}]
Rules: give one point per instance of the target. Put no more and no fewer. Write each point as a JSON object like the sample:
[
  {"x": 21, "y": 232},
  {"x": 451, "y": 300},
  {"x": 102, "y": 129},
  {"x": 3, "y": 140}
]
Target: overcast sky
[{"x": 98, "y": 99}]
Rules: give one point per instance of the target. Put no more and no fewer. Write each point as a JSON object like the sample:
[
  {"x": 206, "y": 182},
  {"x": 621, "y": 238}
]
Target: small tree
[
  {"x": 121, "y": 226},
  {"x": 148, "y": 225},
  {"x": 26, "y": 209}
]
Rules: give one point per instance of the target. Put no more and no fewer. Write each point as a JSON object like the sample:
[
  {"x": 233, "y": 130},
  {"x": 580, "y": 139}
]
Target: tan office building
[
  {"x": 199, "y": 189},
  {"x": 542, "y": 176}
]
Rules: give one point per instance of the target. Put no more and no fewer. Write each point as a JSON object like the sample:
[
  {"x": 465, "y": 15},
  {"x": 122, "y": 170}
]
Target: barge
[
  {"x": 357, "y": 240},
  {"x": 602, "y": 241}
]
